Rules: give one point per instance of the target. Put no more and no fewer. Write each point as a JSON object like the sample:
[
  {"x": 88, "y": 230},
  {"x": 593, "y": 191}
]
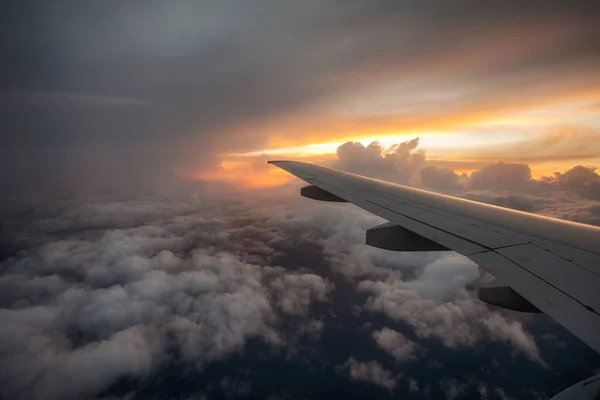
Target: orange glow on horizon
[
  {"x": 550, "y": 125},
  {"x": 244, "y": 174}
]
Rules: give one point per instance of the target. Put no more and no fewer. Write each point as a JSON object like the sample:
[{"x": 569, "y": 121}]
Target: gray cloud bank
[{"x": 114, "y": 96}]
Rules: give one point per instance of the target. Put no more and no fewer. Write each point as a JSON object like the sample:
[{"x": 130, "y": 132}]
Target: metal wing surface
[{"x": 553, "y": 264}]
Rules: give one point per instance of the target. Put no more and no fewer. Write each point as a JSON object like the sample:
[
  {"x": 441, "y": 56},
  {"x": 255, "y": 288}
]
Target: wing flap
[
  {"x": 558, "y": 305},
  {"x": 583, "y": 284}
]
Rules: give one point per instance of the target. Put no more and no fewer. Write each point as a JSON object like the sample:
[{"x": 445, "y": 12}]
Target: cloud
[
  {"x": 93, "y": 305},
  {"x": 435, "y": 305},
  {"x": 31, "y": 97},
  {"x": 216, "y": 74},
  {"x": 583, "y": 180},
  {"x": 370, "y": 371},
  {"x": 572, "y": 195},
  {"x": 194, "y": 280},
  {"x": 439, "y": 178},
  {"x": 37, "y": 366},
  {"x": 413, "y": 386},
  {"x": 193, "y": 276},
  {"x": 452, "y": 389},
  {"x": 512, "y": 331},
  {"x": 502, "y": 176},
  {"x": 399, "y": 163},
  {"x": 235, "y": 388},
  {"x": 396, "y": 344},
  {"x": 296, "y": 292}
]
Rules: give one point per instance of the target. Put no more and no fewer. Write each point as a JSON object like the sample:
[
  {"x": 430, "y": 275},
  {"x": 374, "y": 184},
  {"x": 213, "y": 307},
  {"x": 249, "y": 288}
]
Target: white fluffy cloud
[
  {"x": 399, "y": 163},
  {"x": 295, "y": 292},
  {"x": 512, "y": 331},
  {"x": 436, "y": 305},
  {"x": 85, "y": 311},
  {"x": 452, "y": 389},
  {"x": 370, "y": 371},
  {"x": 396, "y": 344}
]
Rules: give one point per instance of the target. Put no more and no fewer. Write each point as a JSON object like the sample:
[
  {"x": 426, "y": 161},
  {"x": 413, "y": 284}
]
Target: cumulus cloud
[
  {"x": 37, "y": 365},
  {"x": 370, "y": 371},
  {"x": 512, "y": 331},
  {"x": 396, "y": 344},
  {"x": 296, "y": 292},
  {"x": 452, "y": 389},
  {"x": 502, "y": 176},
  {"x": 413, "y": 386},
  {"x": 398, "y": 163},
  {"x": 92, "y": 306},
  {"x": 439, "y": 178},
  {"x": 573, "y": 195},
  {"x": 584, "y": 181},
  {"x": 436, "y": 305}
]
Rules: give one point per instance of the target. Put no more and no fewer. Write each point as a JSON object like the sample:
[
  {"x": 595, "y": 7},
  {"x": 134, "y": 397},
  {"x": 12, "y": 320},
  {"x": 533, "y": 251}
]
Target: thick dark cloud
[{"x": 122, "y": 93}]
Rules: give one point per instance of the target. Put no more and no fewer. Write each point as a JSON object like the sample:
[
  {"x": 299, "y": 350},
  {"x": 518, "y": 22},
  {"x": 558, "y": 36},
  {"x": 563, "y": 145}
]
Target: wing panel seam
[{"x": 589, "y": 308}]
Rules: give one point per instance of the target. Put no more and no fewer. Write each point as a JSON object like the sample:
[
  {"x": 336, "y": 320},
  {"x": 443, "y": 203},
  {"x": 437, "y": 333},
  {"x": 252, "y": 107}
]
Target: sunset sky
[
  {"x": 206, "y": 88},
  {"x": 147, "y": 250}
]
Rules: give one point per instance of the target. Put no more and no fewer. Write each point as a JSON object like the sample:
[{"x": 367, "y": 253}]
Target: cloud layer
[
  {"x": 94, "y": 294},
  {"x": 82, "y": 313}
]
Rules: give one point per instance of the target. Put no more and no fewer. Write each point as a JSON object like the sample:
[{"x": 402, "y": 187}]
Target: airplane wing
[{"x": 541, "y": 264}]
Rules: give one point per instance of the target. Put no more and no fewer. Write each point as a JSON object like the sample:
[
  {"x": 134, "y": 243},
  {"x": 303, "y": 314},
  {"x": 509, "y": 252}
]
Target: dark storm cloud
[{"x": 199, "y": 71}]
